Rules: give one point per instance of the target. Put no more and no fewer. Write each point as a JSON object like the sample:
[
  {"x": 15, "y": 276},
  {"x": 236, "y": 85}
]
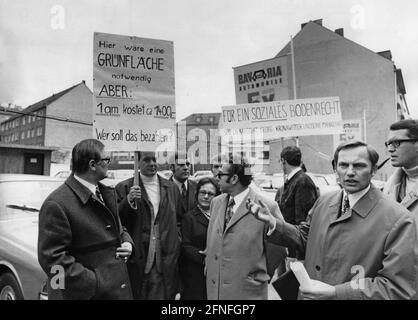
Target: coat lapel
[
  {"x": 241, "y": 210},
  {"x": 409, "y": 199},
  {"x": 200, "y": 217},
  {"x": 220, "y": 211}
]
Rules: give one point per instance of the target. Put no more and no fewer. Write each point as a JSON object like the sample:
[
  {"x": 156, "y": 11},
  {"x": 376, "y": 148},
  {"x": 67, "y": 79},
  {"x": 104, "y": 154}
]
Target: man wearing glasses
[
  {"x": 236, "y": 261},
  {"x": 402, "y": 145},
  {"x": 80, "y": 234}
]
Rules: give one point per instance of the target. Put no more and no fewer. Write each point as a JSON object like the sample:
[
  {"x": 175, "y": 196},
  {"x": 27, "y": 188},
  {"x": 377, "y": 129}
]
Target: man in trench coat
[
  {"x": 358, "y": 244},
  {"x": 236, "y": 258},
  {"x": 82, "y": 246}
]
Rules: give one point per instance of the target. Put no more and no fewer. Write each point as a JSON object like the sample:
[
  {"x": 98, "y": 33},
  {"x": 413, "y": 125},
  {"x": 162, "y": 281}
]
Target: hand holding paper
[
  {"x": 301, "y": 274},
  {"x": 311, "y": 289}
]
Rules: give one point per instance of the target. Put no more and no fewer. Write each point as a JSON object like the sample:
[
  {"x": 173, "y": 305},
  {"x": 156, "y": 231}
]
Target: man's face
[
  {"x": 354, "y": 169},
  {"x": 181, "y": 170},
  {"x": 284, "y": 166},
  {"x": 148, "y": 164},
  {"x": 224, "y": 178},
  {"x": 102, "y": 165},
  {"x": 215, "y": 168},
  {"x": 406, "y": 154}
]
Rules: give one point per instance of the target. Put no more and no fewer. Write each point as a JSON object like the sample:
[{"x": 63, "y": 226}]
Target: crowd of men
[{"x": 144, "y": 239}]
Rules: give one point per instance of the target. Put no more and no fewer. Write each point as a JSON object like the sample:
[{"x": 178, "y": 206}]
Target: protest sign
[
  {"x": 134, "y": 103},
  {"x": 287, "y": 118}
]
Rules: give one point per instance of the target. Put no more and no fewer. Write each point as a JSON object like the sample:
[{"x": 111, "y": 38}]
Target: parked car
[
  {"x": 200, "y": 174},
  {"x": 21, "y": 197},
  {"x": 269, "y": 184},
  {"x": 63, "y": 174},
  {"x": 167, "y": 174},
  {"x": 116, "y": 176}
]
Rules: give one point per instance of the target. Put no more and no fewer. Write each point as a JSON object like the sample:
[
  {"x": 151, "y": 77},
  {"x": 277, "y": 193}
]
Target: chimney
[
  {"x": 340, "y": 31},
  {"x": 317, "y": 21},
  {"x": 386, "y": 54}
]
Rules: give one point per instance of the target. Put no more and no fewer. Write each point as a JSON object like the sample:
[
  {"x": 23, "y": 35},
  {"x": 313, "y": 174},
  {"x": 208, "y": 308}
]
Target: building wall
[
  {"x": 76, "y": 105},
  {"x": 12, "y": 160},
  {"x": 327, "y": 64}
]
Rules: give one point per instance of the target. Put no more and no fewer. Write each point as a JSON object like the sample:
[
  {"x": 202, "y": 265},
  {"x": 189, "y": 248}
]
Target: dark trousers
[{"x": 153, "y": 285}]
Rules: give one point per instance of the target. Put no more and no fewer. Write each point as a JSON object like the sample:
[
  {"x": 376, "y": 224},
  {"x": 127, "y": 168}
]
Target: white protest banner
[
  {"x": 287, "y": 118},
  {"x": 134, "y": 103},
  {"x": 352, "y": 131},
  {"x": 261, "y": 81}
]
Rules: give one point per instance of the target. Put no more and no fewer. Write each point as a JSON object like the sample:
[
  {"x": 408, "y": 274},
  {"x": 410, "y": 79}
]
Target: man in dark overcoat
[
  {"x": 148, "y": 211},
  {"x": 82, "y": 246}
]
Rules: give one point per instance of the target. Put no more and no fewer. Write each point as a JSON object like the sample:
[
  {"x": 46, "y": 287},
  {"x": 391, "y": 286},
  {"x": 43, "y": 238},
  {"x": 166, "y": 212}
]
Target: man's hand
[
  {"x": 124, "y": 251},
  {"x": 318, "y": 291},
  {"x": 261, "y": 212},
  {"x": 134, "y": 193}
]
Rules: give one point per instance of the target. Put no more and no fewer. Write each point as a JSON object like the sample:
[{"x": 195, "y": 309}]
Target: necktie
[
  {"x": 229, "y": 212},
  {"x": 99, "y": 194},
  {"x": 345, "y": 207},
  {"x": 183, "y": 190}
]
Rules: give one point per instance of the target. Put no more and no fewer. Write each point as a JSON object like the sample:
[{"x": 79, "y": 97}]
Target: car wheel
[{"x": 9, "y": 288}]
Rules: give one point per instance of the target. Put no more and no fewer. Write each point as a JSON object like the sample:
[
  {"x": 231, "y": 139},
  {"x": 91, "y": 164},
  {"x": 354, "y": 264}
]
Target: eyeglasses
[
  {"x": 220, "y": 174},
  {"x": 208, "y": 193},
  {"x": 397, "y": 143},
  {"x": 105, "y": 160}
]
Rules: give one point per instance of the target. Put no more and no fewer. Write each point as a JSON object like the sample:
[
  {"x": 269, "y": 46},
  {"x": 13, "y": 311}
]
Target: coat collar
[
  {"x": 362, "y": 208},
  {"x": 200, "y": 217},
  {"x": 82, "y": 192}
]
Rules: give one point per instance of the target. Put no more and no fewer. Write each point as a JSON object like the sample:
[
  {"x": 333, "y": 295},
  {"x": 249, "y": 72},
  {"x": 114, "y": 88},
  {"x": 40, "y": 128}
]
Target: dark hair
[
  {"x": 204, "y": 181},
  {"x": 410, "y": 125},
  {"x": 292, "y": 155},
  {"x": 373, "y": 155},
  {"x": 83, "y": 152},
  {"x": 240, "y": 166}
]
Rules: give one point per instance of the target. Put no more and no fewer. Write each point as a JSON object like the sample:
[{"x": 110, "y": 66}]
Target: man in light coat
[
  {"x": 358, "y": 244},
  {"x": 236, "y": 253},
  {"x": 402, "y": 145},
  {"x": 80, "y": 234}
]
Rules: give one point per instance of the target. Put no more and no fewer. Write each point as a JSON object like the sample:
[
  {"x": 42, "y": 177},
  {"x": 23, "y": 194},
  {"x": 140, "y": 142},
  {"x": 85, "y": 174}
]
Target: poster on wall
[
  {"x": 352, "y": 131},
  {"x": 262, "y": 81},
  {"x": 133, "y": 93}
]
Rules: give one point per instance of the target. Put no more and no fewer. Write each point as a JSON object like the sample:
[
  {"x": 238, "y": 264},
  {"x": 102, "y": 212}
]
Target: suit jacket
[
  {"x": 410, "y": 201},
  {"x": 138, "y": 224},
  {"x": 194, "y": 231},
  {"x": 80, "y": 234},
  {"x": 297, "y": 198},
  {"x": 376, "y": 241},
  {"x": 189, "y": 202},
  {"x": 236, "y": 259}
]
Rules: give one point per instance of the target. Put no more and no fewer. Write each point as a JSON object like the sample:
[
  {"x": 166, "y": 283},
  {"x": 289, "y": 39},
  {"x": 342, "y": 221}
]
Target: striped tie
[{"x": 229, "y": 212}]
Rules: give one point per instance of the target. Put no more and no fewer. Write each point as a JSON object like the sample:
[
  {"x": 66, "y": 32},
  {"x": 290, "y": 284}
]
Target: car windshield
[{"x": 22, "y": 198}]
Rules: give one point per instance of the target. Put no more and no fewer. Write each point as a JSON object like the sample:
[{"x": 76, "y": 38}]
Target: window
[
  {"x": 32, "y": 133},
  {"x": 266, "y": 155},
  {"x": 39, "y": 131},
  {"x": 28, "y": 134},
  {"x": 23, "y": 120},
  {"x": 22, "y": 136}
]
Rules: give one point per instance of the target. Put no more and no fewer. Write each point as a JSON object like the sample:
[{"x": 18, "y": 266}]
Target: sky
[{"x": 47, "y": 46}]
